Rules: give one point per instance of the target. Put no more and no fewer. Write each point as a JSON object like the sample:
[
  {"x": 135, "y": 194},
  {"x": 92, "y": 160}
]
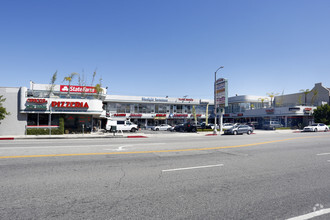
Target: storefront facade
[
  {"x": 151, "y": 111},
  {"x": 83, "y": 109},
  {"x": 80, "y": 108}
]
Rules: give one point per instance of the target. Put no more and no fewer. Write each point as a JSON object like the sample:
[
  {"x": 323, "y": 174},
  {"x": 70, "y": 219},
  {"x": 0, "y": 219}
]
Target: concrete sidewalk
[{"x": 139, "y": 134}]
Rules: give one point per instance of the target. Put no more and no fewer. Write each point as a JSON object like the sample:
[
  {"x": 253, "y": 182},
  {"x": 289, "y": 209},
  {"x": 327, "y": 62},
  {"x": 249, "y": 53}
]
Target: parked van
[{"x": 120, "y": 125}]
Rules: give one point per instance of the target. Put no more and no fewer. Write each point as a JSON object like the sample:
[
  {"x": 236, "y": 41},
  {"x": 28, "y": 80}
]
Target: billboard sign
[{"x": 221, "y": 91}]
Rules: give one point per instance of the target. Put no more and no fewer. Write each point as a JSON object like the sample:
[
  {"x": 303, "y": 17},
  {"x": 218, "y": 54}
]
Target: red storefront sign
[
  {"x": 188, "y": 100},
  {"x": 135, "y": 115},
  {"x": 307, "y": 110},
  {"x": 180, "y": 115},
  {"x": 70, "y": 104},
  {"x": 160, "y": 115},
  {"x": 240, "y": 114},
  {"x": 119, "y": 115},
  {"x": 37, "y": 101},
  {"x": 78, "y": 89},
  {"x": 270, "y": 111}
]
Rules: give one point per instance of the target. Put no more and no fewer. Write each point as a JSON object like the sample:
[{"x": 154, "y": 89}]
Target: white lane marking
[
  {"x": 311, "y": 215},
  {"x": 322, "y": 154},
  {"x": 62, "y": 146},
  {"x": 190, "y": 168},
  {"x": 121, "y": 148}
]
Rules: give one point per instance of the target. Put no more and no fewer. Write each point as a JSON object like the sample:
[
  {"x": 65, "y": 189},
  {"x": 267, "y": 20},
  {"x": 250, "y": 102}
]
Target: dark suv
[{"x": 187, "y": 127}]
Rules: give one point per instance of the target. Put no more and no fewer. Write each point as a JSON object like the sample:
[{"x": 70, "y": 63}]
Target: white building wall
[{"x": 13, "y": 124}]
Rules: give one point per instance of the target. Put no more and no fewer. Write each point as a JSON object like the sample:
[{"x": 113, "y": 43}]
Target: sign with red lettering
[
  {"x": 180, "y": 115},
  {"x": 119, "y": 115},
  {"x": 221, "y": 92},
  {"x": 188, "y": 100},
  {"x": 37, "y": 101},
  {"x": 135, "y": 115},
  {"x": 69, "y": 104},
  {"x": 270, "y": 111},
  {"x": 160, "y": 115},
  {"x": 77, "y": 89}
]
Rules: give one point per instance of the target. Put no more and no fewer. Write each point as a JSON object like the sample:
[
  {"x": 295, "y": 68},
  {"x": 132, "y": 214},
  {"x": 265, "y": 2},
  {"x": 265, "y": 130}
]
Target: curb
[
  {"x": 136, "y": 136},
  {"x": 6, "y": 138}
]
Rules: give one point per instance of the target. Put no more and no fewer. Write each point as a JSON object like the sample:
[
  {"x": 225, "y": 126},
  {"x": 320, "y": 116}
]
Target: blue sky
[{"x": 168, "y": 47}]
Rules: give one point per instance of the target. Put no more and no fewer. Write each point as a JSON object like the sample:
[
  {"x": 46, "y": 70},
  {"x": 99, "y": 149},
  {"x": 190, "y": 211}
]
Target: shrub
[{"x": 45, "y": 131}]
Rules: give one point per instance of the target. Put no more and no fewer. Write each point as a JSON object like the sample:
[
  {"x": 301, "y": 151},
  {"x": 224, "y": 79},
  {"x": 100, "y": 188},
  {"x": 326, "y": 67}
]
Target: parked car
[
  {"x": 271, "y": 125},
  {"x": 162, "y": 127},
  {"x": 316, "y": 127},
  {"x": 188, "y": 127},
  {"x": 212, "y": 126},
  {"x": 205, "y": 126},
  {"x": 239, "y": 129},
  {"x": 227, "y": 126}
]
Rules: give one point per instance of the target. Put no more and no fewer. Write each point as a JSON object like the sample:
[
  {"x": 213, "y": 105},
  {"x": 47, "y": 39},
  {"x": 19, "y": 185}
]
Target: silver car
[
  {"x": 239, "y": 129},
  {"x": 162, "y": 127}
]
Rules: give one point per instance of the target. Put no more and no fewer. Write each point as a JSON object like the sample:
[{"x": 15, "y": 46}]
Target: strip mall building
[{"x": 84, "y": 109}]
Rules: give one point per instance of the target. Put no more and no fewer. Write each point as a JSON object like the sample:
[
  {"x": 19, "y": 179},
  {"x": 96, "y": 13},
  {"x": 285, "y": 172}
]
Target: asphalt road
[{"x": 271, "y": 175}]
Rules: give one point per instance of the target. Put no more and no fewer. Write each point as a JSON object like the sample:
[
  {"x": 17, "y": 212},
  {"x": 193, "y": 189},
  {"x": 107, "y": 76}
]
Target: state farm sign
[{"x": 78, "y": 89}]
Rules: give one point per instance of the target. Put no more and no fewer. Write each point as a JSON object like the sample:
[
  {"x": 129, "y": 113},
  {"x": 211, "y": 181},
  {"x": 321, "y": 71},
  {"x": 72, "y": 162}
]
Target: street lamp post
[{"x": 215, "y": 100}]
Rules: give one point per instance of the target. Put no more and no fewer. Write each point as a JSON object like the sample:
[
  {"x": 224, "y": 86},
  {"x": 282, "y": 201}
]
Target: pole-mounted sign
[{"x": 221, "y": 90}]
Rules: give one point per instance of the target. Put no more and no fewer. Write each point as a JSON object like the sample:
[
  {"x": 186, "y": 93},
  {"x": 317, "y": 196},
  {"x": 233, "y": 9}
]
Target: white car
[
  {"x": 227, "y": 126},
  {"x": 162, "y": 127},
  {"x": 316, "y": 127}
]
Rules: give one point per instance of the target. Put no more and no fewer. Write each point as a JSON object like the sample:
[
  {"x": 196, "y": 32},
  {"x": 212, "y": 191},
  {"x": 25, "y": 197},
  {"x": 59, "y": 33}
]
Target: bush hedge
[
  {"x": 206, "y": 129},
  {"x": 45, "y": 131}
]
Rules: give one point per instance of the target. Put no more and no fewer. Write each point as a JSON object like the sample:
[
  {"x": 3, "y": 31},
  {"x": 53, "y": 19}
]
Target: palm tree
[
  {"x": 52, "y": 83},
  {"x": 69, "y": 79},
  {"x": 315, "y": 93},
  {"x": 306, "y": 93},
  {"x": 98, "y": 88},
  {"x": 272, "y": 95},
  {"x": 262, "y": 101}
]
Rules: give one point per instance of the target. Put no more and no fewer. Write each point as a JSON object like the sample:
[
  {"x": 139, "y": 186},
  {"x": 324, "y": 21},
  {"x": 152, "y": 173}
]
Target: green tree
[
  {"x": 272, "y": 95},
  {"x": 3, "y": 111},
  {"x": 98, "y": 88},
  {"x": 52, "y": 83},
  {"x": 306, "y": 92},
  {"x": 262, "y": 101},
  {"x": 69, "y": 78},
  {"x": 299, "y": 100},
  {"x": 315, "y": 93},
  {"x": 322, "y": 114}
]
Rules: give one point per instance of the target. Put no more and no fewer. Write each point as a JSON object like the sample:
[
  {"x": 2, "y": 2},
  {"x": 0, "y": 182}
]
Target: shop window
[
  {"x": 43, "y": 119},
  {"x": 179, "y": 108},
  {"x": 32, "y": 119}
]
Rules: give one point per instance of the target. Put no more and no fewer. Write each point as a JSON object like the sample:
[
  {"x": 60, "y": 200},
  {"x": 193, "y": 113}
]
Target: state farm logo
[
  {"x": 64, "y": 88},
  {"x": 78, "y": 89}
]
